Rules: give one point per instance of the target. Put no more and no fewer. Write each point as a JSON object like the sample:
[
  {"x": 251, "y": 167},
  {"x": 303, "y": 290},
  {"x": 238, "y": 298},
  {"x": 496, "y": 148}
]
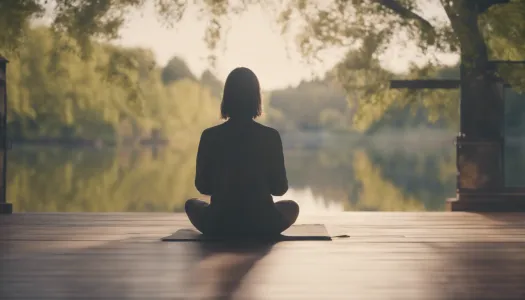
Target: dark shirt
[{"x": 240, "y": 163}]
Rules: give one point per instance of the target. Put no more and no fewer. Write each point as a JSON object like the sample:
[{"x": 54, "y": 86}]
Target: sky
[{"x": 253, "y": 41}]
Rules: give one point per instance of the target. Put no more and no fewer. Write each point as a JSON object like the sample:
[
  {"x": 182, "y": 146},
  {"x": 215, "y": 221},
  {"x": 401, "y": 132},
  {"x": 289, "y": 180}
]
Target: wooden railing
[
  {"x": 480, "y": 157},
  {"x": 5, "y": 207}
]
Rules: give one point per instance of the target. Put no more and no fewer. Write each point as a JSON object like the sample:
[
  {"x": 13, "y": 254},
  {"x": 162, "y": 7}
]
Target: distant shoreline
[
  {"x": 83, "y": 143},
  {"x": 305, "y": 139}
]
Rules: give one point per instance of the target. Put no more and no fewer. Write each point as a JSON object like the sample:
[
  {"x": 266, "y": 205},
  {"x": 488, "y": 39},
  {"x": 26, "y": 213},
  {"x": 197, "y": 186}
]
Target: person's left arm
[
  {"x": 278, "y": 179},
  {"x": 203, "y": 174}
]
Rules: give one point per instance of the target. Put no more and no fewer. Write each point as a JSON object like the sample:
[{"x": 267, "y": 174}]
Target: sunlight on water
[
  {"x": 321, "y": 179},
  {"x": 309, "y": 203}
]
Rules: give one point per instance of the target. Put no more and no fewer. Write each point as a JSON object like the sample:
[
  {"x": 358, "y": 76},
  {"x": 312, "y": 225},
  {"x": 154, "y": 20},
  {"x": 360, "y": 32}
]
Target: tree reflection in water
[{"x": 330, "y": 178}]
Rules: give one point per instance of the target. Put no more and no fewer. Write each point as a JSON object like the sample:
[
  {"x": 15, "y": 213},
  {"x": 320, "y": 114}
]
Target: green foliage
[
  {"x": 58, "y": 95},
  {"x": 14, "y": 20},
  {"x": 309, "y": 106},
  {"x": 325, "y": 105},
  {"x": 176, "y": 69},
  {"x": 209, "y": 80},
  {"x": 411, "y": 109},
  {"x": 369, "y": 28},
  {"x": 364, "y": 28}
]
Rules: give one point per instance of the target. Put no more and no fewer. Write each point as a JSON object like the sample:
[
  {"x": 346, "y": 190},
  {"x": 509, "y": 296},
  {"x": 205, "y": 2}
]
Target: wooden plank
[{"x": 388, "y": 256}]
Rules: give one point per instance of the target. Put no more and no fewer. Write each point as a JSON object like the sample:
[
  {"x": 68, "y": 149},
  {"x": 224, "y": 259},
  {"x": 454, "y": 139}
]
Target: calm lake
[{"x": 324, "y": 175}]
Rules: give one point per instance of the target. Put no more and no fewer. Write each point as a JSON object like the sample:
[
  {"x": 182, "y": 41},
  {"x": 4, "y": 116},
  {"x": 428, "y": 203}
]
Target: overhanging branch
[
  {"x": 483, "y": 5},
  {"x": 406, "y": 13}
]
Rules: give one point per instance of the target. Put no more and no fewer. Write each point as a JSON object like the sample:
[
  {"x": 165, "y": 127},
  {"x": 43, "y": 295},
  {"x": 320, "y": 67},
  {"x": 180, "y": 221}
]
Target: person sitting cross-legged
[{"x": 240, "y": 164}]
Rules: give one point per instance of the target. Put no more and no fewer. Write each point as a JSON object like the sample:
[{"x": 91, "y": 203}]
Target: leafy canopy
[{"x": 364, "y": 28}]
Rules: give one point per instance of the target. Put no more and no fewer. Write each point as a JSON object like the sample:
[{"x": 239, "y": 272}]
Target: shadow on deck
[{"x": 388, "y": 256}]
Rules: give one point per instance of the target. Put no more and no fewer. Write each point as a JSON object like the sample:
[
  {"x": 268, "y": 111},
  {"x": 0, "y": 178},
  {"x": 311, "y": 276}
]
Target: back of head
[{"x": 242, "y": 95}]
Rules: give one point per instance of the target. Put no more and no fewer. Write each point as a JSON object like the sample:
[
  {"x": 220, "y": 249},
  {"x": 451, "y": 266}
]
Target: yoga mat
[{"x": 303, "y": 232}]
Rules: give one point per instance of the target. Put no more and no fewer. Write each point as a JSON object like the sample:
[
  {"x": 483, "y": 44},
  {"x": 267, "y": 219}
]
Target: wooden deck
[{"x": 387, "y": 256}]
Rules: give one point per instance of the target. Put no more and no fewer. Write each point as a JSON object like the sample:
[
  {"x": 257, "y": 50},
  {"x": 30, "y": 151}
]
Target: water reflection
[
  {"x": 514, "y": 164},
  {"x": 335, "y": 178},
  {"x": 311, "y": 203}
]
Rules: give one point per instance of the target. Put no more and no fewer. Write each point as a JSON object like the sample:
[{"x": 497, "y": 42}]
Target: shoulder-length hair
[{"x": 242, "y": 95}]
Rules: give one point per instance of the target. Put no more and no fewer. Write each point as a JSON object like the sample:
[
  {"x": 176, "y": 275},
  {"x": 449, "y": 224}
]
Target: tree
[
  {"x": 59, "y": 96},
  {"x": 176, "y": 69},
  {"x": 366, "y": 28},
  {"x": 211, "y": 81}
]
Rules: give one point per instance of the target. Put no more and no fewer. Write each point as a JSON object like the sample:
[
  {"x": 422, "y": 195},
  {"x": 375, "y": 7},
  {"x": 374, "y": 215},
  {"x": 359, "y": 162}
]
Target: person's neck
[{"x": 240, "y": 120}]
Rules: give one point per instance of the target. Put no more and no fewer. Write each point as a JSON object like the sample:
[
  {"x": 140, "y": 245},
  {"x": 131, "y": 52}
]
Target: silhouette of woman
[{"x": 240, "y": 164}]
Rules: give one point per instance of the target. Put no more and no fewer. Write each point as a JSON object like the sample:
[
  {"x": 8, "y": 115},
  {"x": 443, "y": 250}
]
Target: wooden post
[
  {"x": 480, "y": 143},
  {"x": 5, "y": 208}
]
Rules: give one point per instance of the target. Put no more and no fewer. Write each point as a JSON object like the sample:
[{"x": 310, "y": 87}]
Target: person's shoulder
[
  {"x": 269, "y": 130},
  {"x": 215, "y": 128},
  {"x": 212, "y": 130}
]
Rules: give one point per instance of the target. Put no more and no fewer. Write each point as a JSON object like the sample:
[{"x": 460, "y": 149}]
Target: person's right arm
[
  {"x": 278, "y": 180},
  {"x": 203, "y": 173}
]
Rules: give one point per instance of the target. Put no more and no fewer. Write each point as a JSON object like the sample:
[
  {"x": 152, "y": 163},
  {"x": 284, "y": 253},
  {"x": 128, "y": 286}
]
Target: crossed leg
[
  {"x": 198, "y": 212},
  {"x": 289, "y": 209}
]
